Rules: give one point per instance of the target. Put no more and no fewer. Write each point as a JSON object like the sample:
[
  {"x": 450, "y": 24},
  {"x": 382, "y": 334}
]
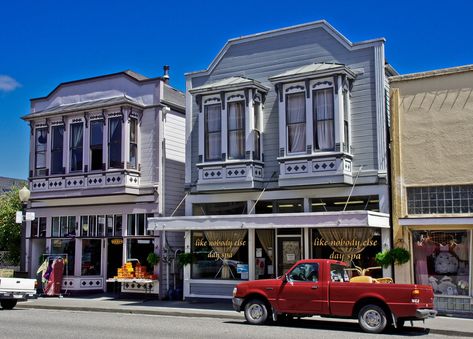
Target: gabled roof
[
  {"x": 84, "y": 105},
  {"x": 129, "y": 73},
  {"x": 286, "y": 30},
  {"x": 318, "y": 69},
  {"x": 229, "y": 83}
]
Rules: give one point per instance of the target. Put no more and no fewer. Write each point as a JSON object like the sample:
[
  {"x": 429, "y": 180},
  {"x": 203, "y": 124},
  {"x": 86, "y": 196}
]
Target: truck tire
[
  {"x": 8, "y": 304},
  {"x": 256, "y": 312},
  {"x": 372, "y": 319}
]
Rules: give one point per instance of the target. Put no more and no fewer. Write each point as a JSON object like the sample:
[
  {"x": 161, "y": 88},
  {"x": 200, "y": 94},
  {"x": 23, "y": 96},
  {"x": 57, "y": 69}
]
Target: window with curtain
[
  {"x": 295, "y": 122},
  {"x": 115, "y": 143},
  {"x": 323, "y": 117},
  {"x": 257, "y": 131},
  {"x": 213, "y": 132},
  {"x": 57, "y": 143},
  {"x": 220, "y": 254},
  {"x": 76, "y": 146},
  {"x": 41, "y": 139},
  {"x": 133, "y": 161},
  {"x": 96, "y": 145},
  {"x": 236, "y": 130}
]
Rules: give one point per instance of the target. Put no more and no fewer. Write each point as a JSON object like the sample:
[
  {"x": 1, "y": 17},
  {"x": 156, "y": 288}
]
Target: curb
[
  {"x": 187, "y": 313},
  {"x": 194, "y": 314}
]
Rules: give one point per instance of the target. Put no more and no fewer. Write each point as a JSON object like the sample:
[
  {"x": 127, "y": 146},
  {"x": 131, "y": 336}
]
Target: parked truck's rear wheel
[
  {"x": 8, "y": 304},
  {"x": 256, "y": 312},
  {"x": 372, "y": 319}
]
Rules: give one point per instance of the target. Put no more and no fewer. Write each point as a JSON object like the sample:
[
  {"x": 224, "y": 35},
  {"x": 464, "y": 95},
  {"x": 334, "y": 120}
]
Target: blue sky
[{"x": 44, "y": 43}]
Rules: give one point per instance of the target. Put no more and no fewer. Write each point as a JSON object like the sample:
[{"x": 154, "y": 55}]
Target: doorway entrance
[
  {"x": 114, "y": 258},
  {"x": 289, "y": 249}
]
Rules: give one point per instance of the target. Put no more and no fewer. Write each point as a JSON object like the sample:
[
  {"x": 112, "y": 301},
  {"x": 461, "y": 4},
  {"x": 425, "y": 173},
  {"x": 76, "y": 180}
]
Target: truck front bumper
[
  {"x": 17, "y": 296},
  {"x": 424, "y": 313},
  {"x": 237, "y": 302}
]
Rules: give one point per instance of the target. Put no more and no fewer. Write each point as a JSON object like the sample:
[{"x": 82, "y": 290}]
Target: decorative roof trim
[
  {"x": 291, "y": 29},
  {"x": 342, "y": 69},
  {"x": 428, "y": 74},
  {"x": 208, "y": 88}
]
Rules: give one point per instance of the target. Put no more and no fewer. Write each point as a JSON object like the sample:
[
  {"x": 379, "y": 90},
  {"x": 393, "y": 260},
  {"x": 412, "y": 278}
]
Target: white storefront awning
[{"x": 268, "y": 221}]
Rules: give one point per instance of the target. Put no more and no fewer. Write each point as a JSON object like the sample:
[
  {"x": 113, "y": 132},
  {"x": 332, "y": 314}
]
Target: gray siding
[
  {"x": 212, "y": 289},
  {"x": 174, "y": 162},
  {"x": 149, "y": 144},
  {"x": 264, "y": 58}
]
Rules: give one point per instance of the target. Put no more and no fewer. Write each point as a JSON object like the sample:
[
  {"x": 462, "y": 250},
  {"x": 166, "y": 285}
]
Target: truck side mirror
[{"x": 285, "y": 278}]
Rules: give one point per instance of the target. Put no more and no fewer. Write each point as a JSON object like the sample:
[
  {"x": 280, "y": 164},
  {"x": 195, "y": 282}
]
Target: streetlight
[{"x": 24, "y": 195}]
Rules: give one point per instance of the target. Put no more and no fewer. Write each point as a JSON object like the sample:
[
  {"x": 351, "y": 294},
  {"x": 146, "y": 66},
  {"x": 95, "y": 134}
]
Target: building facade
[
  {"x": 433, "y": 182},
  {"x": 106, "y": 153},
  {"x": 7, "y": 183},
  {"x": 285, "y": 157}
]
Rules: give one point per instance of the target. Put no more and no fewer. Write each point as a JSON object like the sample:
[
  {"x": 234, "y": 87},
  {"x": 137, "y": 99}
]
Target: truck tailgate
[{"x": 17, "y": 285}]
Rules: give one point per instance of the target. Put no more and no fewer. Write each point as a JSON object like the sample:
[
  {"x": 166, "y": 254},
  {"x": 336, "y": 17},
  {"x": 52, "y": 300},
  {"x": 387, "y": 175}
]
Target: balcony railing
[{"x": 85, "y": 181}]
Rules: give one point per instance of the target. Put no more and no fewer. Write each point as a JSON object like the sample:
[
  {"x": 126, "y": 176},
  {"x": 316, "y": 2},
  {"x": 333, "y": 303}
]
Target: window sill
[
  {"x": 315, "y": 155},
  {"x": 228, "y": 163}
]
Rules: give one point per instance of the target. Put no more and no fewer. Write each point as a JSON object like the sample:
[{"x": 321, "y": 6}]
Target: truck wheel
[
  {"x": 8, "y": 304},
  {"x": 372, "y": 319},
  {"x": 256, "y": 312}
]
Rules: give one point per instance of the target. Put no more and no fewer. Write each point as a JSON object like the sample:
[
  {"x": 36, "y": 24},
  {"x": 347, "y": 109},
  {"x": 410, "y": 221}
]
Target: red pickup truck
[{"x": 323, "y": 287}]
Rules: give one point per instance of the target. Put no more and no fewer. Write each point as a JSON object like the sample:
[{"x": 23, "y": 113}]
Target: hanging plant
[
  {"x": 153, "y": 259},
  {"x": 185, "y": 259},
  {"x": 397, "y": 255}
]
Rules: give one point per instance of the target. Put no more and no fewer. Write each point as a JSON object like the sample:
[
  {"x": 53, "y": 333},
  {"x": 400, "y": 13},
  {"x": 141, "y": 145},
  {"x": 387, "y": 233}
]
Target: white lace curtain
[
  {"x": 213, "y": 127},
  {"x": 295, "y": 120},
  {"x": 324, "y": 120},
  {"x": 77, "y": 131}
]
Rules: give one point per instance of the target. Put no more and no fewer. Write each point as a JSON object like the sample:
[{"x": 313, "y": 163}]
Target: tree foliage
[{"x": 10, "y": 231}]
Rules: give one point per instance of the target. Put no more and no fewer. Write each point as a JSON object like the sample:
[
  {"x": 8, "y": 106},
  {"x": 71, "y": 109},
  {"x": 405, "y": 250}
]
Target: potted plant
[
  {"x": 153, "y": 259},
  {"x": 185, "y": 259}
]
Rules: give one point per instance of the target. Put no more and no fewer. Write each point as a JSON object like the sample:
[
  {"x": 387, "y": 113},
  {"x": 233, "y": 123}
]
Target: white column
[
  {"x": 187, "y": 268},
  {"x": 338, "y": 110},
  {"x": 78, "y": 257}
]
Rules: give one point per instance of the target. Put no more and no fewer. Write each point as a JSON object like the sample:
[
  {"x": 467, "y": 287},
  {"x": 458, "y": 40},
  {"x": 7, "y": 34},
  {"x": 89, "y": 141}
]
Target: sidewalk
[{"x": 215, "y": 309}]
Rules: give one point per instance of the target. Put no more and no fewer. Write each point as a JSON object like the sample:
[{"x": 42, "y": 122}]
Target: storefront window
[
  {"x": 279, "y": 206},
  {"x": 222, "y": 208},
  {"x": 355, "y": 245},
  {"x": 139, "y": 249},
  {"x": 65, "y": 248},
  {"x": 264, "y": 254},
  {"x": 220, "y": 254},
  {"x": 441, "y": 259},
  {"x": 137, "y": 224},
  {"x": 91, "y": 254},
  {"x": 356, "y": 203}
]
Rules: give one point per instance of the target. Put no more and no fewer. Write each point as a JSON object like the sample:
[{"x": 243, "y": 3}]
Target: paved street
[{"x": 27, "y": 323}]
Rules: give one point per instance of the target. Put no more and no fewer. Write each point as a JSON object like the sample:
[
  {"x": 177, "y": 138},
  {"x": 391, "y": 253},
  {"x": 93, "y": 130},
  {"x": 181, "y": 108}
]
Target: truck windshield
[{"x": 338, "y": 273}]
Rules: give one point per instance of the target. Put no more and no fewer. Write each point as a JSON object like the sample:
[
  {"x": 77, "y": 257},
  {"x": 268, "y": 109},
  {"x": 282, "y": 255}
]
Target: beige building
[{"x": 432, "y": 161}]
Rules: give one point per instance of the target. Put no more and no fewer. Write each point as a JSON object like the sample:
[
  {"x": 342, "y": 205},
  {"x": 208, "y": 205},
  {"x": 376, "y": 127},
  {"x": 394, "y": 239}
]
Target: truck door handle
[
  {"x": 314, "y": 287},
  {"x": 269, "y": 288}
]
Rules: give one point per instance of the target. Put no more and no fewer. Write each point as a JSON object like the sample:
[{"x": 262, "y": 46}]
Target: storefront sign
[
  {"x": 221, "y": 249},
  {"x": 345, "y": 244},
  {"x": 117, "y": 241}
]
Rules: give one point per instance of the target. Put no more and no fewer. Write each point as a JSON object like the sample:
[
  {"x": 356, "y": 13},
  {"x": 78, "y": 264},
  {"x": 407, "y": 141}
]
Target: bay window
[
  {"x": 236, "y": 130},
  {"x": 57, "y": 143},
  {"x": 323, "y": 119},
  {"x": 41, "y": 139},
  {"x": 115, "y": 143},
  {"x": 76, "y": 146},
  {"x": 96, "y": 145},
  {"x": 213, "y": 144},
  {"x": 295, "y": 122}
]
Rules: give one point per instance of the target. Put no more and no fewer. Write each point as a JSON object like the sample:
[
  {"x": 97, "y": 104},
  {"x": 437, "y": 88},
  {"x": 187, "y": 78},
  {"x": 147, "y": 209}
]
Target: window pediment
[{"x": 313, "y": 71}]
